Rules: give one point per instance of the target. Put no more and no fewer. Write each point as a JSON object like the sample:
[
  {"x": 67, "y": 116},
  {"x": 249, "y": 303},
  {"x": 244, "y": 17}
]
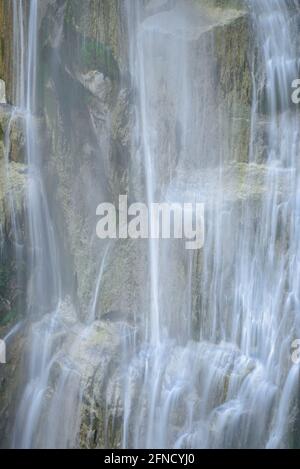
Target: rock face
[
  {"x": 12, "y": 228},
  {"x": 12, "y": 177},
  {"x": 2, "y": 92},
  {"x": 12, "y": 259},
  {"x": 12, "y": 209},
  {"x": 233, "y": 50},
  {"x": 10, "y": 379},
  {"x": 89, "y": 136},
  {"x": 6, "y": 45}
]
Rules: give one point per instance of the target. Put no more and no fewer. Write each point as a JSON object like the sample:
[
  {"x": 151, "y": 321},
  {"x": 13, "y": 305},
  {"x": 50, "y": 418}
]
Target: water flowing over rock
[{"x": 124, "y": 343}]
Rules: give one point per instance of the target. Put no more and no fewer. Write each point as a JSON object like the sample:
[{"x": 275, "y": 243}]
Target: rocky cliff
[{"x": 13, "y": 176}]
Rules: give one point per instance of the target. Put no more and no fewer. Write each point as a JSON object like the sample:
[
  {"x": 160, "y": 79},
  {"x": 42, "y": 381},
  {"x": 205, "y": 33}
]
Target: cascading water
[
  {"x": 44, "y": 290},
  {"x": 210, "y": 372},
  {"x": 278, "y": 269},
  {"x": 220, "y": 388}
]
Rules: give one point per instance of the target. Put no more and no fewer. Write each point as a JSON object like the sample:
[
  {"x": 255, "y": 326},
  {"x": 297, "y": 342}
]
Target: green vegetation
[
  {"x": 9, "y": 317},
  {"x": 237, "y": 4},
  {"x": 5, "y": 277},
  {"x": 98, "y": 56},
  {"x": 10, "y": 293}
]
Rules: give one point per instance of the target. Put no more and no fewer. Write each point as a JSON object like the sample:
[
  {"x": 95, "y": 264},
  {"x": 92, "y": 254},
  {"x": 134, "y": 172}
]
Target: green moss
[
  {"x": 98, "y": 56},
  {"x": 236, "y": 4},
  {"x": 6, "y": 45},
  {"x": 9, "y": 317},
  {"x": 5, "y": 277},
  {"x": 73, "y": 12},
  {"x": 1, "y": 133},
  {"x": 7, "y": 273}
]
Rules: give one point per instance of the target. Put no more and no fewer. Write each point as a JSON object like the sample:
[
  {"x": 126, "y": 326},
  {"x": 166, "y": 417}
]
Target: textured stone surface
[
  {"x": 6, "y": 45},
  {"x": 12, "y": 168},
  {"x": 13, "y": 181},
  {"x": 10, "y": 379},
  {"x": 89, "y": 136}
]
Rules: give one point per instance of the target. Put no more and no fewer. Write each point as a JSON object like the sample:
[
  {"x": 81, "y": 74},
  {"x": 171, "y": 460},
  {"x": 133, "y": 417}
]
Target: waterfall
[
  {"x": 203, "y": 361},
  {"x": 279, "y": 278},
  {"x": 227, "y": 388},
  {"x": 44, "y": 289}
]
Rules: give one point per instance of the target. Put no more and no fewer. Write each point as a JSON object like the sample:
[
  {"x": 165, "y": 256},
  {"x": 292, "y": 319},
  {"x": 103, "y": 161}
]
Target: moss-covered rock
[
  {"x": 234, "y": 84},
  {"x": 99, "y": 21},
  {"x": 13, "y": 182},
  {"x": 10, "y": 382},
  {"x": 87, "y": 113},
  {"x": 6, "y": 45},
  {"x": 231, "y": 4},
  {"x": 12, "y": 129}
]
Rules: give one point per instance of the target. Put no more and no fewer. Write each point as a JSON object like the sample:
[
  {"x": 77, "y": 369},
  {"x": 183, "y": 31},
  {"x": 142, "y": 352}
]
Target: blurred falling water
[
  {"x": 230, "y": 388},
  {"x": 44, "y": 289},
  {"x": 276, "y": 254},
  {"x": 213, "y": 374}
]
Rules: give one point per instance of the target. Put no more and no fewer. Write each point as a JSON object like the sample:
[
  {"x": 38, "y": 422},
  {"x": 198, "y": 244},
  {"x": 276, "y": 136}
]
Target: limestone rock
[
  {"x": 2, "y": 92},
  {"x": 10, "y": 381},
  {"x": 6, "y": 41},
  {"x": 12, "y": 128}
]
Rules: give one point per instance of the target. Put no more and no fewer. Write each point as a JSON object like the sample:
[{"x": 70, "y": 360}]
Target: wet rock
[
  {"x": 12, "y": 122},
  {"x": 6, "y": 46},
  {"x": 10, "y": 382},
  {"x": 2, "y": 92},
  {"x": 17, "y": 140},
  {"x": 13, "y": 183},
  {"x": 13, "y": 180},
  {"x": 97, "y": 84},
  {"x": 86, "y": 366}
]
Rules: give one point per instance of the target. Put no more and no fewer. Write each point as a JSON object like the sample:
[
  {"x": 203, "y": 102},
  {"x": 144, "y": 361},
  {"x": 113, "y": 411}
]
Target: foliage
[
  {"x": 98, "y": 56},
  {"x": 5, "y": 277},
  {"x": 9, "y": 317}
]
